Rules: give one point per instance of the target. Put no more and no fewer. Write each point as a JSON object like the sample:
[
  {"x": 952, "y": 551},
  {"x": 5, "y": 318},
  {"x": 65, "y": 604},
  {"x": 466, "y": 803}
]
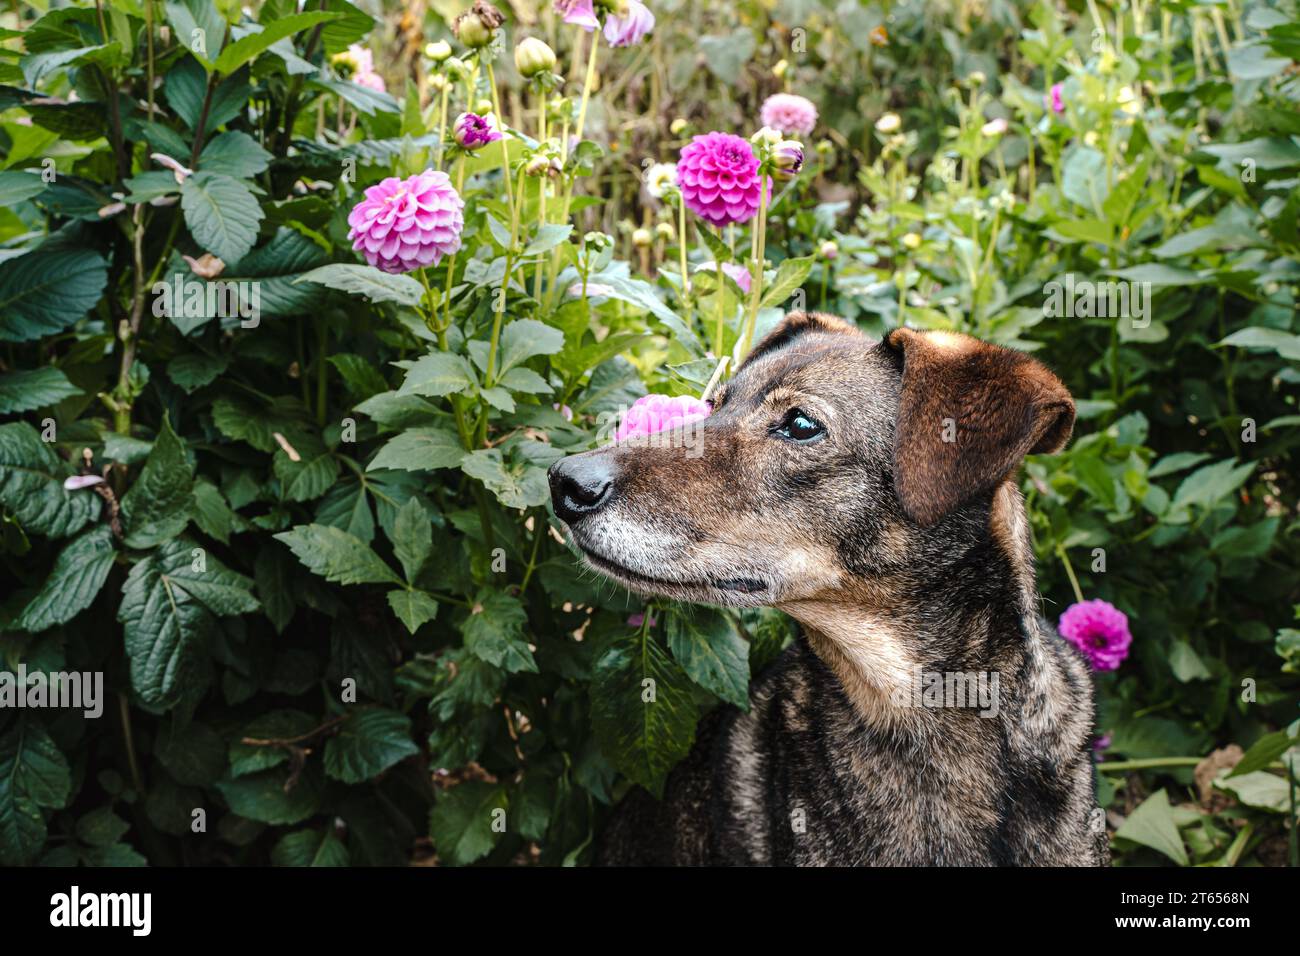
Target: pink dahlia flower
[
  {"x": 718, "y": 176},
  {"x": 631, "y": 28},
  {"x": 1099, "y": 630},
  {"x": 792, "y": 115},
  {"x": 577, "y": 13},
  {"x": 739, "y": 274},
  {"x": 404, "y": 224},
  {"x": 1055, "y": 99},
  {"x": 651, "y": 414}
]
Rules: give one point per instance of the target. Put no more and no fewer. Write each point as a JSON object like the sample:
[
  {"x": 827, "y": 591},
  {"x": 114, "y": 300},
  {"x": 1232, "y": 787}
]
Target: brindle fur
[{"x": 894, "y": 550}]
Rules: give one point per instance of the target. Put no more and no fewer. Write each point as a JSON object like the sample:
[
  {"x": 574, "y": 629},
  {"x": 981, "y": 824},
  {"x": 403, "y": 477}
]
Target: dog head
[{"x": 830, "y": 461}]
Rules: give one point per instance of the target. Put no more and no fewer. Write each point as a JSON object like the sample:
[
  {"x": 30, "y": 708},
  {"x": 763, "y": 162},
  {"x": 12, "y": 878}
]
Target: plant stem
[
  {"x": 586, "y": 88},
  {"x": 1069, "y": 571},
  {"x": 1151, "y": 763},
  {"x": 505, "y": 142},
  {"x": 756, "y": 275}
]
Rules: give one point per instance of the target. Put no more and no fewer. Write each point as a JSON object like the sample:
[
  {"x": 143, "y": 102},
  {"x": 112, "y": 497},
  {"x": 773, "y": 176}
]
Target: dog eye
[{"x": 801, "y": 427}]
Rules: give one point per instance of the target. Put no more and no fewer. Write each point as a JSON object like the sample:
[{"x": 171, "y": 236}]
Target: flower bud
[
  {"x": 678, "y": 126},
  {"x": 455, "y": 67},
  {"x": 478, "y": 25},
  {"x": 472, "y": 132},
  {"x": 787, "y": 159},
  {"x": 976, "y": 78},
  {"x": 439, "y": 83},
  {"x": 483, "y": 106},
  {"x": 889, "y": 123},
  {"x": 532, "y": 56},
  {"x": 912, "y": 240},
  {"x": 994, "y": 127},
  {"x": 642, "y": 238},
  {"x": 437, "y": 51},
  {"x": 825, "y": 148},
  {"x": 829, "y": 250},
  {"x": 778, "y": 70},
  {"x": 766, "y": 136},
  {"x": 879, "y": 36},
  {"x": 542, "y": 165},
  {"x": 665, "y": 231}
]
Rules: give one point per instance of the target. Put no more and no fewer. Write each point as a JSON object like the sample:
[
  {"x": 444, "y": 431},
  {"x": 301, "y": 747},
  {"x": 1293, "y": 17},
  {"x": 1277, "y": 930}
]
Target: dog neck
[{"x": 890, "y": 641}]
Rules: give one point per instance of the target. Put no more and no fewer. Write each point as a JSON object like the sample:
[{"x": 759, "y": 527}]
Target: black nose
[{"x": 581, "y": 484}]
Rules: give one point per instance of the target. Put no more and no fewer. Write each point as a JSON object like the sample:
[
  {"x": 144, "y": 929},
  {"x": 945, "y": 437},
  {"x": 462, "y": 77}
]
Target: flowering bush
[{"x": 293, "y": 331}]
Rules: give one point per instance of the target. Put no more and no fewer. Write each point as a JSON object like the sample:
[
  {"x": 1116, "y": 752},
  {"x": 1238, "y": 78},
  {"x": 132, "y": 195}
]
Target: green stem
[
  {"x": 756, "y": 278},
  {"x": 586, "y": 87},
  {"x": 1151, "y": 763},
  {"x": 1069, "y": 571},
  {"x": 505, "y": 142}
]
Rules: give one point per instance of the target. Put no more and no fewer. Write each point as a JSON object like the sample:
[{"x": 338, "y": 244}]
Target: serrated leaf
[
  {"x": 234, "y": 154},
  {"x": 262, "y": 796},
  {"x": 711, "y": 651},
  {"x": 518, "y": 485},
  {"x": 375, "y": 285},
  {"x": 412, "y": 537},
  {"x": 26, "y": 389},
  {"x": 413, "y": 608},
  {"x": 46, "y": 291},
  {"x": 310, "y": 848},
  {"x": 525, "y": 338},
  {"x": 221, "y": 214},
  {"x": 337, "y": 556},
  {"x": 34, "y": 775},
  {"x": 790, "y": 275},
  {"x": 642, "y": 712},
  {"x": 494, "y": 632},
  {"x": 159, "y": 504},
  {"x": 368, "y": 743},
  {"x": 31, "y": 485},
  {"x": 461, "y": 821},
  {"x": 72, "y": 584},
  {"x": 197, "y": 22},
  {"x": 311, "y": 475},
  {"x": 193, "y": 370},
  {"x": 436, "y": 375},
  {"x": 277, "y": 725},
  {"x": 420, "y": 449},
  {"x": 169, "y": 601}
]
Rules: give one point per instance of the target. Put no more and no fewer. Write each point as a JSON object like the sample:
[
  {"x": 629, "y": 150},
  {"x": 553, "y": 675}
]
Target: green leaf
[
  {"x": 262, "y": 796},
  {"x": 494, "y": 631},
  {"x": 34, "y": 775},
  {"x": 1264, "y": 751},
  {"x": 310, "y": 848},
  {"x": 72, "y": 584},
  {"x": 375, "y": 285},
  {"x": 46, "y": 291},
  {"x": 1152, "y": 825},
  {"x": 790, "y": 275},
  {"x": 194, "y": 754},
  {"x": 221, "y": 214},
  {"x": 518, "y": 485},
  {"x": 438, "y": 374},
  {"x": 26, "y": 389},
  {"x": 1258, "y": 789},
  {"x": 158, "y": 506},
  {"x": 711, "y": 651},
  {"x": 412, "y": 537},
  {"x": 525, "y": 380},
  {"x": 18, "y": 186},
  {"x": 250, "y": 46},
  {"x": 198, "y": 24},
  {"x": 1206, "y": 486},
  {"x": 412, "y": 607},
  {"x": 311, "y": 475},
  {"x": 524, "y": 338},
  {"x": 642, "y": 711},
  {"x": 1285, "y": 344},
  {"x": 168, "y": 604},
  {"x": 31, "y": 485},
  {"x": 420, "y": 449},
  {"x": 368, "y": 743},
  {"x": 101, "y": 827},
  {"x": 234, "y": 154},
  {"x": 193, "y": 370},
  {"x": 362, "y": 379},
  {"x": 276, "y": 725},
  {"x": 548, "y": 237},
  {"x": 337, "y": 556},
  {"x": 461, "y": 822}
]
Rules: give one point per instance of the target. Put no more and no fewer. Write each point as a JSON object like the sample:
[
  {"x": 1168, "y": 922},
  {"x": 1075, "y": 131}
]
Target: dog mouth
[{"x": 738, "y": 585}]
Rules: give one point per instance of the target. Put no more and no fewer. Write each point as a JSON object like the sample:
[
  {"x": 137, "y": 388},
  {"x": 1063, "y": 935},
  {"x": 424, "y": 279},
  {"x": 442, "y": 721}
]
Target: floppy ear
[
  {"x": 794, "y": 325},
  {"x": 968, "y": 414}
]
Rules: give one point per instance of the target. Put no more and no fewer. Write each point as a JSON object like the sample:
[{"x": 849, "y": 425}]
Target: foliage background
[{"x": 413, "y": 557}]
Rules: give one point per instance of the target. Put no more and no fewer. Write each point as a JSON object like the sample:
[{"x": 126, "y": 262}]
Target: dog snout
[{"x": 580, "y": 485}]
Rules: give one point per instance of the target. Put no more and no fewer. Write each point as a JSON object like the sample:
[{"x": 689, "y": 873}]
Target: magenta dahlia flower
[
  {"x": 1099, "y": 630},
  {"x": 718, "y": 176},
  {"x": 404, "y": 224},
  {"x": 651, "y": 414},
  {"x": 792, "y": 115},
  {"x": 471, "y": 131},
  {"x": 631, "y": 28},
  {"x": 577, "y": 13}
]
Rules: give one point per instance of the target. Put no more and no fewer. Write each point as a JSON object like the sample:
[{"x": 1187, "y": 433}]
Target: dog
[{"x": 866, "y": 488}]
